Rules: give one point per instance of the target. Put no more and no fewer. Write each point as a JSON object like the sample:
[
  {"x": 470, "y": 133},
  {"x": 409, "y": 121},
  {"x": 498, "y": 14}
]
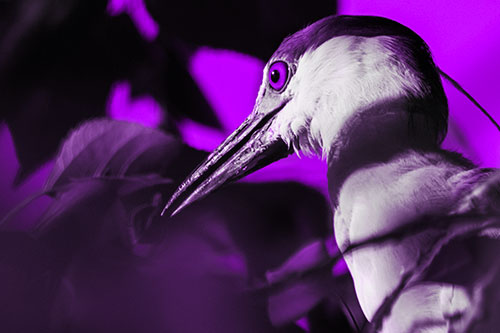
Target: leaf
[
  {"x": 107, "y": 148},
  {"x": 105, "y": 164}
]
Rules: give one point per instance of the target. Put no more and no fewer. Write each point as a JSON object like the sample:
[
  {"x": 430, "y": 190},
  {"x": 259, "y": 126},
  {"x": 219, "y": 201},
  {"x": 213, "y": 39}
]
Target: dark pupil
[{"x": 275, "y": 76}]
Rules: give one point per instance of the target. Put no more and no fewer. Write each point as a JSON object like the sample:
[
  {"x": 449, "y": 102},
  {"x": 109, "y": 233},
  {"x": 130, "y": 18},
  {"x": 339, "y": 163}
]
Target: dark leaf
[
  {"x": 104, "y": 164},
  {"x": 109, "y": 148}
]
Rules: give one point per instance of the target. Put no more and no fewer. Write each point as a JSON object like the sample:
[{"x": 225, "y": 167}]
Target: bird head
[{"x": 342, "y": 77}]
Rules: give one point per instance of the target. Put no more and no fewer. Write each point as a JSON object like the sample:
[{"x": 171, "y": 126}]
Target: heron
[{"x": 363, "y": 93}]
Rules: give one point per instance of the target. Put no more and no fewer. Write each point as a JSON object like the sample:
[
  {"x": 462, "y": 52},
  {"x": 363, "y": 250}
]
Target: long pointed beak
[{"x": 249, "y": 148}]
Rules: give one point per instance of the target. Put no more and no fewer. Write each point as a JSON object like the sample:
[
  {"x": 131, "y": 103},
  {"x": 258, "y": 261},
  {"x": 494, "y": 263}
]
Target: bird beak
[{"x": 250, "y": 147}]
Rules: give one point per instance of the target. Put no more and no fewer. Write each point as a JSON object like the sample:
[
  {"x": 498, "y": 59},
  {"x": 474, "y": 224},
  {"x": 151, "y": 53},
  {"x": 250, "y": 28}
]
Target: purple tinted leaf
[{"x": 108, "y": 148}]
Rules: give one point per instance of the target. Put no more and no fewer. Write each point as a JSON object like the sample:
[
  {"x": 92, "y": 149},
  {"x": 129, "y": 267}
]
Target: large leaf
[
  {"x": 109, "y": 148},
  {"x": 104, "y": 161},
  {"x": 101, "y": 164},
  {"x": 116, "y": 149}
]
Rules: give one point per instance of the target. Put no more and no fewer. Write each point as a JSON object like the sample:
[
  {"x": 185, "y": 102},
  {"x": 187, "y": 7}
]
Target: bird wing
[
  {"x": 457, "y": 289},
  {"x": 480, "y": 190}
]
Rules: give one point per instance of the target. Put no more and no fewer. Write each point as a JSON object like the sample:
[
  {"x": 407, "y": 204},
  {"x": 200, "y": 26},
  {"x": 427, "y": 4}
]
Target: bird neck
[{"x": 372, "y": 137}]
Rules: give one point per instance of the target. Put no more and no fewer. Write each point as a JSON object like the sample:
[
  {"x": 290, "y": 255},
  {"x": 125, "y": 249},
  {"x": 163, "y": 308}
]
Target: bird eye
[{"x": 278, "y": 75}]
